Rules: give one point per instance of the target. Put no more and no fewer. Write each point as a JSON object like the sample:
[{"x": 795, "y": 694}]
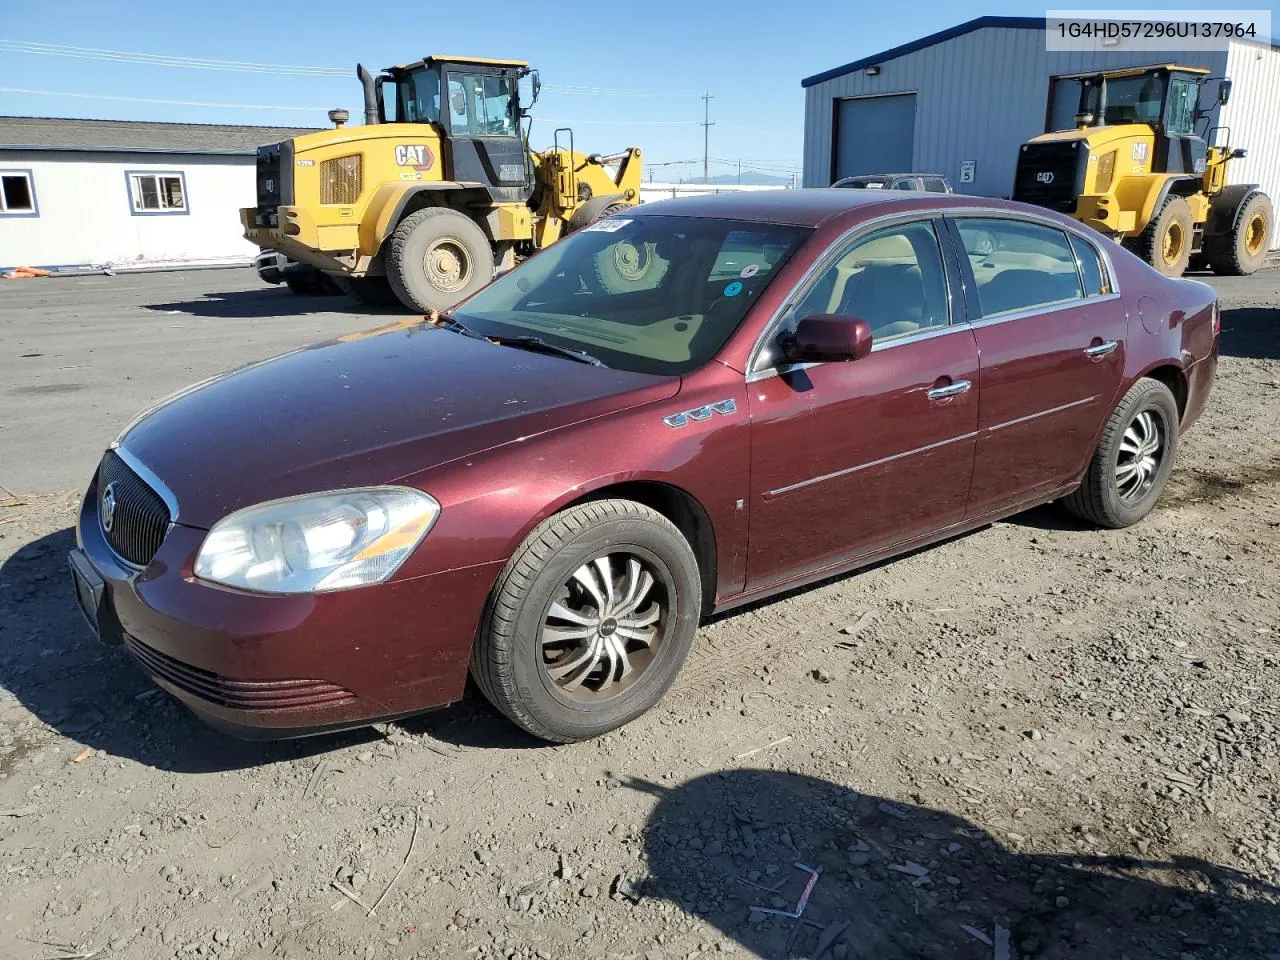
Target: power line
[
  {"x": 166, "y": 60},
  {"x": 174, "y": 103}
]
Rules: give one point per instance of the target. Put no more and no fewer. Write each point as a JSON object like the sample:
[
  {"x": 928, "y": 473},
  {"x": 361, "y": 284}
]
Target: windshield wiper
[
  {"x": 448, "y": 321},
  {"x": 538, "y": 345}
]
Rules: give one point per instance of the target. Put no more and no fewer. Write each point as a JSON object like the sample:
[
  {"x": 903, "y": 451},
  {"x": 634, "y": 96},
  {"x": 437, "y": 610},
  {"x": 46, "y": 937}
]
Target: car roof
[{"x": 808, "y": 207}]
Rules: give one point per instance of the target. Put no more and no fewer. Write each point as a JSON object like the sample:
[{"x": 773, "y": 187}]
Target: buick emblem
[{"x": 108, "y": 507}]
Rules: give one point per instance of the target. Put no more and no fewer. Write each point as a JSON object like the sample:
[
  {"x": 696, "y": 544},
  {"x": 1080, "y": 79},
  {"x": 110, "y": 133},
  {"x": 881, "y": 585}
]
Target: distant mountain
[{"x": 755, "y": 179}]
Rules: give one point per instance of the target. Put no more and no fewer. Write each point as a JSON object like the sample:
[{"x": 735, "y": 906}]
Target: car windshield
[{"x": 650, "y": 294}]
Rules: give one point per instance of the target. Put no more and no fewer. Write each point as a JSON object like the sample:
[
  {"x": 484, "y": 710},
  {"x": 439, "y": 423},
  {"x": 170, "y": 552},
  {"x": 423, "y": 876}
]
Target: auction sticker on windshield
[{"x": 608, "y": 226}]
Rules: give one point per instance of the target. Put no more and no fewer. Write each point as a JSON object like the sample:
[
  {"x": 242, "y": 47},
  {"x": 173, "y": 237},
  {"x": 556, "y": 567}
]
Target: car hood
[{"x": 365, "y": 409}]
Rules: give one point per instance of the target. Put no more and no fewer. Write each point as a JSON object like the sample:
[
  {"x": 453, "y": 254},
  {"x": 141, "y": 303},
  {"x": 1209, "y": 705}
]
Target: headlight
[{"x": 319, "y": 542}]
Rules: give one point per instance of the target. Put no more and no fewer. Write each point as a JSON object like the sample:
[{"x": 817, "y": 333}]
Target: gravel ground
[{"x": 1035, "y": 741}]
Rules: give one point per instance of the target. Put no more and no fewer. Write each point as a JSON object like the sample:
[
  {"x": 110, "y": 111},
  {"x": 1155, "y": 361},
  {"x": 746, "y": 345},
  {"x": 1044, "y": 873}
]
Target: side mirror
[
  {"x": 1224, "y": 91},
  {"x": 825, "y": 337}
]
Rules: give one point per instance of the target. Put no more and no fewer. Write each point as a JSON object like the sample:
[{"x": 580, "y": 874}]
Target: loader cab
[
  {"x": 1165, "y": 98},
  {"x": 475, "y": 104}
]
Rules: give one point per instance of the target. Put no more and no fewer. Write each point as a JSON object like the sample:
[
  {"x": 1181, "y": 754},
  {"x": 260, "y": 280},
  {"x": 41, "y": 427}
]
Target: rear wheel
[
  {"x": 1129, "y": 469},
  {"x": 436, "y": 257},
  {"x": 1243, "y": 249},
  {"x": 367, "y": 291},
  {"x": 590, "y": 621},
  {"x": 1166, "y": 242}
]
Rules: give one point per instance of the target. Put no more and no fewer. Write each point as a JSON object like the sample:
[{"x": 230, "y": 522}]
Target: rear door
[{"x": 1051, "y": 337}]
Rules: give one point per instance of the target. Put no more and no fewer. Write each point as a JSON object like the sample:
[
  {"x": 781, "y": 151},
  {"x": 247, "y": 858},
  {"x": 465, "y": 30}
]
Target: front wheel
[
  {"x": 437, "y": 257},
  {"x": 1243, "y": 249},
  {"x": 590, "y": 621},
  {"x": 1131, "y": 465}
]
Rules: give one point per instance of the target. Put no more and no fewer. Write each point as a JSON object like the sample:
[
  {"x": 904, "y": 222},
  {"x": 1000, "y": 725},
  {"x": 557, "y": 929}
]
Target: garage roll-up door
[{"x": 875, "y": 135}]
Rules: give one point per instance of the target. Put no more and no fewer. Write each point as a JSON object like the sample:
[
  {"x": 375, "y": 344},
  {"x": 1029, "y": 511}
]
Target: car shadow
[
  {"x": 96, "y": 695},
  {"x": 908, "y": 881},
  {"x": 267, "y": 302},
  {"x": 1251, "y": 332}
]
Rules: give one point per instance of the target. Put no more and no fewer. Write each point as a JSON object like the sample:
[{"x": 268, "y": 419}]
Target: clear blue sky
[{"x": 649, "y": 62}]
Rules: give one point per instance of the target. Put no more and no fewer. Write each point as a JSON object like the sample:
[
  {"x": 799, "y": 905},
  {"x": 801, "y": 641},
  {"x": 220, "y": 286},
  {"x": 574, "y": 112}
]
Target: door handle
[
  {"x": 953, "y": 389},
  {"x": 1100, "y": 349}
]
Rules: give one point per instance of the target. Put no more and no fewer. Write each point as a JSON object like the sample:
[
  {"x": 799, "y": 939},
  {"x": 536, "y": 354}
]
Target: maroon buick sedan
[{"x": 678, "y": 409}]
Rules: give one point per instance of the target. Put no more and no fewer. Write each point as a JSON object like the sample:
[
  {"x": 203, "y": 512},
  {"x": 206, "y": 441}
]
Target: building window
[
  {"x": 17, "y": 194},
  {"x": 157, "y": 193}
]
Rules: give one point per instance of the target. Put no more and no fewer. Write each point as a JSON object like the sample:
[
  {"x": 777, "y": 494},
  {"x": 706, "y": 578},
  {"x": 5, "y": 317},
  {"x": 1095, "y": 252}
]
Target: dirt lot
[{"x": 1037, "y": 740}]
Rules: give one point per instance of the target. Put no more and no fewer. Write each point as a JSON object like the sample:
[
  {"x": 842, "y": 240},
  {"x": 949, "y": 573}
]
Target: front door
[
  {"x": 485, "y": 145},
  {"x": 850, "y": 458},
  {"x": 1052, "y": 341}
]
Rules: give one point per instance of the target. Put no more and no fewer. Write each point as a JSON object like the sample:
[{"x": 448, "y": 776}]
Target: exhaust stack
[{"x": 370, "y": 94}]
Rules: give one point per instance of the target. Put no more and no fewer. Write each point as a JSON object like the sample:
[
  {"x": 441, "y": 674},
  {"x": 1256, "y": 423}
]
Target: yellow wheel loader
[
  {"x": 438, "y": 188},
  {"x": 1136, "y": 169}
]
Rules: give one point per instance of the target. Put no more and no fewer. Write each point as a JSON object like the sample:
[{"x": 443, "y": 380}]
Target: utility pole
[
  {"x": 739, "y": 171},
  {"x": 706, "y": 132}
]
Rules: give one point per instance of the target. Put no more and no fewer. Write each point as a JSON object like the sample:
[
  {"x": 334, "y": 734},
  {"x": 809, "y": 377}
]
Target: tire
[
  {"x": 625, "y": 267},
  {"x": 1100, "y": 499},
  {"x": 594, "y": 209},
  {"x": 367, "y": 291},
  {"x": 302, "y": 286},
  {"x": 436, "y": 257},
  {"x": 1166, "y": 242},
  {"x": 1243, "y": 249},
  {"x": 512, "y": 661}
]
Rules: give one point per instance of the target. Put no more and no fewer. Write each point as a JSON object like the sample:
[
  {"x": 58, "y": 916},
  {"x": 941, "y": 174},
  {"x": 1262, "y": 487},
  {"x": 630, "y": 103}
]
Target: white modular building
[{"x": 126, "y": 194}]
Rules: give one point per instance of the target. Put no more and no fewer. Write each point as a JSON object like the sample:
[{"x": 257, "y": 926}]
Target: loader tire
[
  {"x": 626, "y": 266},
  {"x": 1166, "y": 242},
  {"x": 367, "y": 291},
  {"x": 437, "y": 257},
  {"x": 1243, "y": 249}
]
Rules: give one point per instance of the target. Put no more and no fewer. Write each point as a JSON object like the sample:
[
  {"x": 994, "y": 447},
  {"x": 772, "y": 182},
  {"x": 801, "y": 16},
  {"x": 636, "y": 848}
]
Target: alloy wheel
[
  {"x": 1141, "y": 452},
  {"x": 605, "y": 627}
]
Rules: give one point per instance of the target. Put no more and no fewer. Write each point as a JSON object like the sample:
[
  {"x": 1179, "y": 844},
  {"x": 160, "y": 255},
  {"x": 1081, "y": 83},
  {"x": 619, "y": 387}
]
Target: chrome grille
[
  {"x": 238, "y": 694},
  {"x": 139, "y": 516}
]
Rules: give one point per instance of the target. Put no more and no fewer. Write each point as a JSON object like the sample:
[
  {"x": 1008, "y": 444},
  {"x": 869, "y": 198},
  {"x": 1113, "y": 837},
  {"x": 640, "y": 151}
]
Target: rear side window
[
  {"x": 1096, "y": 282},
  {"x": 935, "y": 185},
  {"x": 1019, "y": 265},
  {"x": 906, "y": 183}
]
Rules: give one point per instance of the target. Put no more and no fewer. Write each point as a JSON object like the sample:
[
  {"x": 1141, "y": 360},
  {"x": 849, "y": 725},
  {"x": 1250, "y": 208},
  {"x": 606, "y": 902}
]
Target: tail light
[
  {"x": 340, "y": 179},
  {"x": 1217, "y": 317}
]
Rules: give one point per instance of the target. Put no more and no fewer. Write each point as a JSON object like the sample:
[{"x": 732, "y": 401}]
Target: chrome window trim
[
  {"x": 834, "y": 250},
  {"x": 754, "y": 375},
  {"x": 149, "y": 476},
  {"x": 1032, "y": 217},
  {"x": 1009, "y": 315}
]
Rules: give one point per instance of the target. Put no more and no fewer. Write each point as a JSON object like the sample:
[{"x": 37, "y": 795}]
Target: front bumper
[
  {"x": 332, "y": 248},
  {"x": 1101, "y": 212},
  {"x": 270, "y": 667}
]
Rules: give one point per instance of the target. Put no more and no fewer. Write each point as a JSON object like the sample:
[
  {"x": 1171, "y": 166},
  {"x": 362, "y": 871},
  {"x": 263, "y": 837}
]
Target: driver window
[
  {"x": 1184, "y": 98},
  {"x": 893, "y": 279}
]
